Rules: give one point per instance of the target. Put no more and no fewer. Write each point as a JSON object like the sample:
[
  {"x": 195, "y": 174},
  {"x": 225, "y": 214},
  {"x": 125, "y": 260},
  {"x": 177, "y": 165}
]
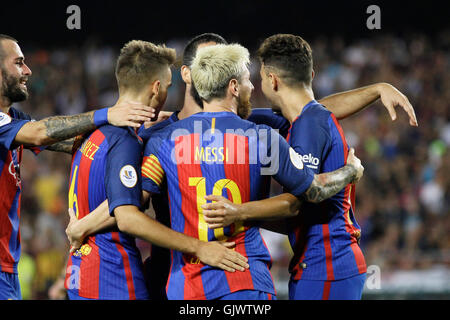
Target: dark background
[{"x": 248, "y": 21}]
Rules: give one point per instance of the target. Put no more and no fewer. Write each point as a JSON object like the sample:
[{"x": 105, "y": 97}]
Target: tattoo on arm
[
  {"x": 326, "y": 185},
  {"x": 65, "y": 127},
  {"x": 65, "y": 146}
]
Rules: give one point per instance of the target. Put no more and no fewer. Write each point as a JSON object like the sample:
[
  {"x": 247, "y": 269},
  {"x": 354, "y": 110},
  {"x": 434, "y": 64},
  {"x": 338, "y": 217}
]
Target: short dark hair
[
  {"x": 4, "y": 37},
  {"x": 191, "y": 48},
  {"x": 291, "y": 55},
  {"x": 140, "y": 61}
]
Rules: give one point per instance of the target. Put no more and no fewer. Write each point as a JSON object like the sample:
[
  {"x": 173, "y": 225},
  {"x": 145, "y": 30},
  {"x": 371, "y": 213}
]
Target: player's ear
[
  {"x": 273, "y": 81},
  {"x": 186, "y": 74},
  {"x": 156, "y": 85},
  {"x": 233, "y": 86},
  {"x": 312, "y": 74}
]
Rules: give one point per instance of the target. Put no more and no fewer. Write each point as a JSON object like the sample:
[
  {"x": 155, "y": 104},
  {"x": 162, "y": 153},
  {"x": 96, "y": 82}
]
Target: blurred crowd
[{"x": 402, "y": 202}]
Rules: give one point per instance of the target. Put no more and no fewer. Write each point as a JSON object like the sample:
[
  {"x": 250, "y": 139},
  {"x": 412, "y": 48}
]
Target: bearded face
[
  {"x": 244, "y": 108},
  {"x": 14, "y": 88}
]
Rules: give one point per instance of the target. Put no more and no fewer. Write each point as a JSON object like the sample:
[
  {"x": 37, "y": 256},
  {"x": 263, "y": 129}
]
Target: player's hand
[
  {"x": 220, "y": 213},
  {"x": 57, "y": 290},
  {"x": 73, "y": 233},
  {"x": 355, "y": 162},
  {"x": 162, "y": 115},
  {"x": 130, "y": 113},
  {"x": 391, "y": 97},
  {"x": 218, "y": 254}
]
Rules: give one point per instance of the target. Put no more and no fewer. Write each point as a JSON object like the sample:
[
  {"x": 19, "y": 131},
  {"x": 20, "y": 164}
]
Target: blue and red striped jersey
[
  {"x": 325, "y": 237},
  {"x": 10, "y": 189},
  {"x": 219, "y": 153},
  {"x": 106, "y": 166},
  {"x": 157, "y": 265}
]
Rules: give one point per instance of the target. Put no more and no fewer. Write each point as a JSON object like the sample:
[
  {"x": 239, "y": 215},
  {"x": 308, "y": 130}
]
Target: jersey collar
[{"x": 215, "y": 114}]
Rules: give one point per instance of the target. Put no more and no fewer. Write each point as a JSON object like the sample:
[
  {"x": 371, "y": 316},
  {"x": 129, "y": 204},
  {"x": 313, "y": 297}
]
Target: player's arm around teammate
[
  {"x": 345, "y": 104},
  {"x": 223, "y": 212},
  {"x": 59, "y": 128},
  {"x": 132, "y": 221}
]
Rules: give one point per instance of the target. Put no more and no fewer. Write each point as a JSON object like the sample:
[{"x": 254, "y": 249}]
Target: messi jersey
[
  {"x": 219, "y": 153},
  {"x": 10, "y": 188},
  {"x": 325, "y": 237},
  {"x": 106, "y": 166}
]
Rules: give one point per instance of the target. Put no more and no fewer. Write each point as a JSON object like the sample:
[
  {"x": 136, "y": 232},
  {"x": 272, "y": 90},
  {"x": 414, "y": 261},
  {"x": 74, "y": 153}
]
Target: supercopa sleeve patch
[
  {"x": 4, "y": 119},
  {"x": 128, "y": 176},
  {"x": 296, "y": 159}
]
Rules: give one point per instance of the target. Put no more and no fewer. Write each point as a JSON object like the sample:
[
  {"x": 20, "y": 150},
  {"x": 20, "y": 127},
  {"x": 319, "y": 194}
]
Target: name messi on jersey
[
  {"x": 88, "y": 149},
  {"x": 211, "y": 154}
]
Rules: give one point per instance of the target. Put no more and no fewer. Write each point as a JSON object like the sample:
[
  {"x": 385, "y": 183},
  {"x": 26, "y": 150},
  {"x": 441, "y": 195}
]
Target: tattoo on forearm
[
  {"x": 65, "y": 146},
  {"x": 326, "y": 185},
  {"x": 65, "y": 127}
]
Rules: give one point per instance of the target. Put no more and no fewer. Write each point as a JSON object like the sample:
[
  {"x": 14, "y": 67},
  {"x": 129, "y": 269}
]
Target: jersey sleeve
[
  {"x": 9, "y": 128},
  {"x": 152, "y": 172},
  {"x": 123, "y": 173},
  {"x": 268, "y": 117},
  {"x": 310, "y": 138},
  {"x": 286, "y": 165}
]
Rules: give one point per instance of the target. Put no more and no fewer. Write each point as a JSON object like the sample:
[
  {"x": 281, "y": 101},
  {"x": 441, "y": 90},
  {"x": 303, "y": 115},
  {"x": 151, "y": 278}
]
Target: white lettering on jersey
[
  {"x": 311, "y": 161},
  {"x": 296, "y": 159},
  {"x": 4, "y": 119}
]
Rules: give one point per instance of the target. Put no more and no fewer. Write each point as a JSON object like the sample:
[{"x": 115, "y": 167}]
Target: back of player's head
[
  {"x": 290, "y": 56},
  {"x": 2, "y": 53},
  {"x": 215, "y": 66},
  {"x": 140, "y": 62},
  {"x": 191, "y": 48}
]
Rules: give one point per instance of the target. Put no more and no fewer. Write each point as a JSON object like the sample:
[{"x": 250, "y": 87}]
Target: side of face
[
  {"x": 165, "y": 83},
  {"x": 14, "y": 72},
  {"x": 245, "y": 92},
  {"x": 267, "y": 87}
]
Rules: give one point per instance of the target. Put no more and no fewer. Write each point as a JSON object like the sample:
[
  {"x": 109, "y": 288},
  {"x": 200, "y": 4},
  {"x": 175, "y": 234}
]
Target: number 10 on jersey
[{"x": 200, "y": 185}]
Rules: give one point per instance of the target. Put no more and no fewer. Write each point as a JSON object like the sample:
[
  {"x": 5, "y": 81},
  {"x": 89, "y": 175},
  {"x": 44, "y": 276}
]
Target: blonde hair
[
  {"x": 214, "y": 66},
  {"x": 140, "y": 62}
]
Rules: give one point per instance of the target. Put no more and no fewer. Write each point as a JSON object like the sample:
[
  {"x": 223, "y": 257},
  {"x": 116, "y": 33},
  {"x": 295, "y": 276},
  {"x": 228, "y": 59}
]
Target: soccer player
[
  {"x": 217, "y": 151},
  {"x": 18, "y": 131},
  {"x": 107, "y": 166},
  {"x": 157, "y": 266},
  {"x": 328, "y": 262}
]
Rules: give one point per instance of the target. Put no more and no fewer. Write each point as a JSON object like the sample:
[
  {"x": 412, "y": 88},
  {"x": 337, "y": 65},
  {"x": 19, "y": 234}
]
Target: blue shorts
[
  {"x": 10, "y": 286},
  {"x": 248, "y": 295},
  {"x": 346, "y": 289}
]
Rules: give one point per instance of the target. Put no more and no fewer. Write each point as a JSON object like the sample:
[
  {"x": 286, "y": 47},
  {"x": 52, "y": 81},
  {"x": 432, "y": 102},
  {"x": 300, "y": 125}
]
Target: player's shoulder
[
  {"x": 123, "y": 134},
  {"x": 316, "y": 112},
  {"x": 17, "y": 114},
  {"x": 146, "y": 134},
  {"x": 315, "y": 117}
]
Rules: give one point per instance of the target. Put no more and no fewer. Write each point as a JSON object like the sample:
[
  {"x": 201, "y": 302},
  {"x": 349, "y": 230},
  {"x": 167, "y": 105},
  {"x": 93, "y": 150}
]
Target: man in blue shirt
[{"x": 18, "y": 131}]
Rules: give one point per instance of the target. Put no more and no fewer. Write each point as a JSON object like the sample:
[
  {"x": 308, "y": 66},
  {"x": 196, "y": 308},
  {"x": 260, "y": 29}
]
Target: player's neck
[
  {"x": 138, "y": 98},
  {"x": 190, "y": 107},
  {"x": 223, "y": 105},
  {"x": 5, "y": 104},
  {"x": 293, "y": 100}
]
